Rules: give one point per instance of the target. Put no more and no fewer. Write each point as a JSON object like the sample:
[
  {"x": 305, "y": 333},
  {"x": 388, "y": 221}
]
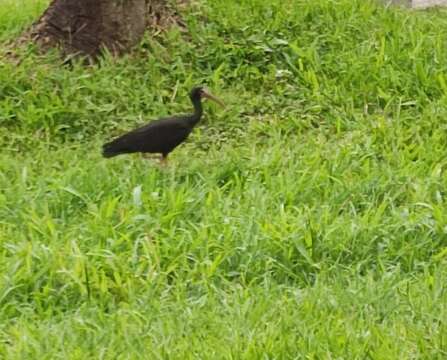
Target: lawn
[{"x": 306, "y": 220}]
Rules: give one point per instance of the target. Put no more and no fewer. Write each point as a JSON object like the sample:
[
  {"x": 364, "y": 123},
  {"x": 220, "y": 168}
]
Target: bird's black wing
[
  {"x": 163, "y": 123},
  {"x": 159, "y": 136}
]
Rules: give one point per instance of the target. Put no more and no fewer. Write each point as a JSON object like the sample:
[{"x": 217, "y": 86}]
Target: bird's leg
[{"x": 164, "y": 160}]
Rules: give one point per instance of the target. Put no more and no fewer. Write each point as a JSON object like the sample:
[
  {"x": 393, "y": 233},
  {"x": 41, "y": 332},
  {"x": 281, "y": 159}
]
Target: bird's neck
[{"x": 198, "y": 111}]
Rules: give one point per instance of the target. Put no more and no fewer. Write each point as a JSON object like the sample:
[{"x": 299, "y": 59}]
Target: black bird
[{"x": 163, "y": 135}]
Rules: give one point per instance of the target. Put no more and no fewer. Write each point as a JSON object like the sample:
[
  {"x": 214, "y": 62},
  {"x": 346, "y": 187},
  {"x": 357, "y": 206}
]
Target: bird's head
[{"x": 200, "y": 92}]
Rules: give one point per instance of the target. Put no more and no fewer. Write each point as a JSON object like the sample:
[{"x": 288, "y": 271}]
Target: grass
[{"x": 306, "y": 220}]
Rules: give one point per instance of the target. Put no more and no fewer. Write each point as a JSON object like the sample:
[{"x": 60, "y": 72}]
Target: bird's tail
[{"x": 114, "y": 148}]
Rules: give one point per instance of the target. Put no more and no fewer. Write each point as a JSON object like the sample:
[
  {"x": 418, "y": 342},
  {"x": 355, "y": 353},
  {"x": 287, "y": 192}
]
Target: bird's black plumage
[{"x": 160, "y": 136}]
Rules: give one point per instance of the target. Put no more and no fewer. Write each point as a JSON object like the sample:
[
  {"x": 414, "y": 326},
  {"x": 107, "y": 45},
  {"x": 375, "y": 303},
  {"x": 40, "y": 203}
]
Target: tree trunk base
[{"x": 88, "y": 27}]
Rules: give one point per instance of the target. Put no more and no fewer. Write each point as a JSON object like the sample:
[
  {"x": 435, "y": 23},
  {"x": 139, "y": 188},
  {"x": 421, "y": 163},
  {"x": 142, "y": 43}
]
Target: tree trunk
[{"x": 86, "y": 27}]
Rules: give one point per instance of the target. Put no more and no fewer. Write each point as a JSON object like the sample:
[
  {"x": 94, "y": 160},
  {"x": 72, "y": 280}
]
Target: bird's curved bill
[{"x": 207, "y": 95}]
